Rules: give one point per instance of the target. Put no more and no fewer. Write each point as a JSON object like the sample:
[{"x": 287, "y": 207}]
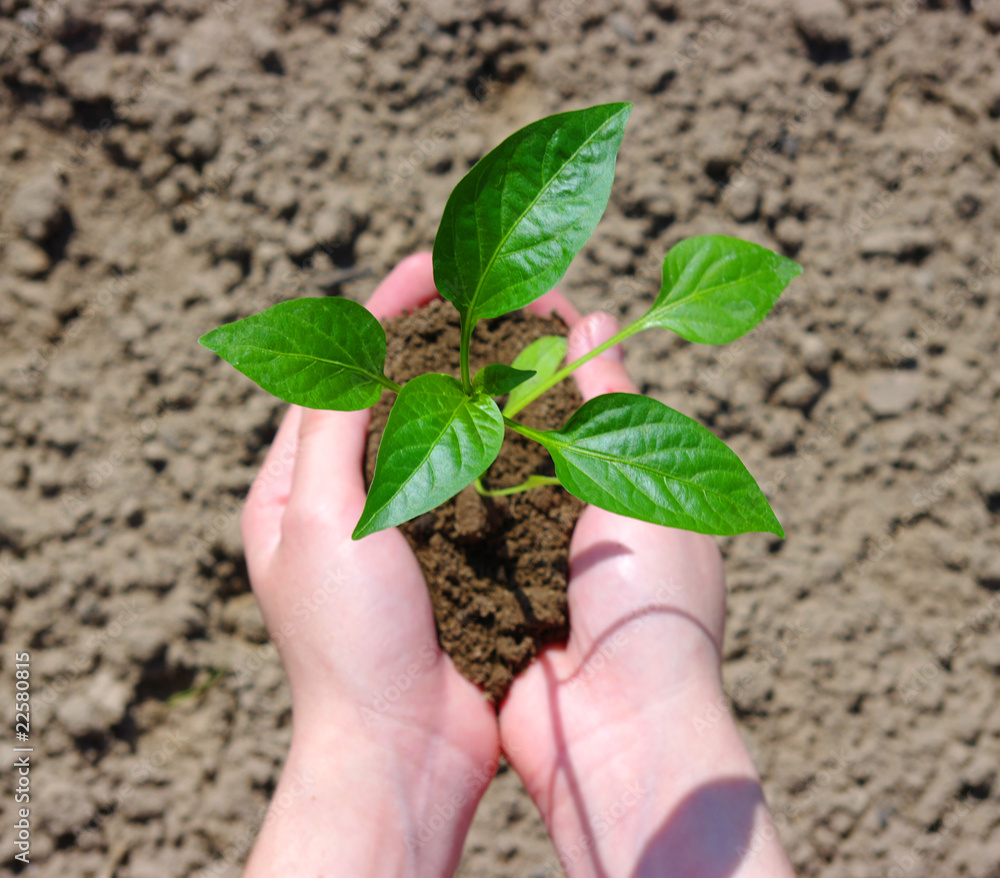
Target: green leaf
[
  {"x": 498, "y": 379},
  {"x": 716, "y": 288},
  {"x": 318, "y": 353},
  {"x": 437, "y": 440},
  {"x": 515, "y": 221},
  {"x": 544, "y": 356},
  {"x": 635, "y": 456}
]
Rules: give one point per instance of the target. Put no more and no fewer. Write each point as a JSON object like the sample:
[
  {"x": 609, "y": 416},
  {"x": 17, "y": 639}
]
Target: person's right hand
[{"x": 622, "y": 736}]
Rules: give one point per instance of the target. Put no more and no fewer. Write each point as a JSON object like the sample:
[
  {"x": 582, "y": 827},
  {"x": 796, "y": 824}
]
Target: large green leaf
[
  {"x": 543, "y": 356},
  {"x": 717, "y": 288},
  {"x": 498, "y": 379},
  {"x": 635, "y": 456},
  {"x": 319, "y": 353},
  {"x": 515, "y": 221},
  {"x": 437, "y": 440}
]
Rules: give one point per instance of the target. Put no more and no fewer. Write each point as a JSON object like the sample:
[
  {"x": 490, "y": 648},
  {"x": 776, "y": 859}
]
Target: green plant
[{"x": 509, "y": 231}]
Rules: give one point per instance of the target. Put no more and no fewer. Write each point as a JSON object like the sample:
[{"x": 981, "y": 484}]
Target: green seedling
[{"x": 509, "y": 231}]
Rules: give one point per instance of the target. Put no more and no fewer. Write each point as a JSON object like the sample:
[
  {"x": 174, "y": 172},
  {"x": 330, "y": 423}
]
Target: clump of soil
[{"x": 496, "y": 567}]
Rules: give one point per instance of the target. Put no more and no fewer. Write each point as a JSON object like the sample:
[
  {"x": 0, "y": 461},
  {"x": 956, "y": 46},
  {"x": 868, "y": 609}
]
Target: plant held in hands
[{"x": 509, "y": 231}]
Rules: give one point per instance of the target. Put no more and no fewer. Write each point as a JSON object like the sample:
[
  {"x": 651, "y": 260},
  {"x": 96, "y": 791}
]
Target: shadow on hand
[
  {"x": 709, "y": 834},
  {"x": 602, "y": 551}
]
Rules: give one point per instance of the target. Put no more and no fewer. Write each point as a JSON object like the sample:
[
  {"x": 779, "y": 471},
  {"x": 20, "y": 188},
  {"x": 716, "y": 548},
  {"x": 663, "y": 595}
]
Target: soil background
[{"x": 170, "y": 165}]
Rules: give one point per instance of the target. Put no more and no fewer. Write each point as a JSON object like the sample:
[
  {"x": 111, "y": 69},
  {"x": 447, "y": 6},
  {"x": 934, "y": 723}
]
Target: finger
[
  {"x": 674, "y": 574},
  {"x": 409, "y": 286},
  {"x": 328, "y": 481},
  {"x": 606, "y": 372},
  {"x": 260, "y": 523},
  {"x": 555, "y": 302},
  {"x": 328, "y": 485}
]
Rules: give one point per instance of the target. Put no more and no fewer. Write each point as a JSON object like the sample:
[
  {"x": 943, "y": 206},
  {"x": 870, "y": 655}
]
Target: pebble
[
  {"x": 27, "y": 259},
  {"x": 101, "y": 706},
  {"x": 986, "y": 569},
  {"x": 798, "y": 393},
  {"x": 121, "y": 26},
  {"x": 822, "y": 21},
  {"x": 790, "y": 232},
  {"x": 898, "y": 241},
  {"x": 200, "y": 140},
  {"x": 889, "y": 394},
  {"x": 986, "y": 477},
  {"x": 89, "y": 76},
  {"x": 742, "y": 201},
  {"x": 15, "y": 147},
  {"x": 37, "y": 208},
  {"x": 816, "y": 354}
]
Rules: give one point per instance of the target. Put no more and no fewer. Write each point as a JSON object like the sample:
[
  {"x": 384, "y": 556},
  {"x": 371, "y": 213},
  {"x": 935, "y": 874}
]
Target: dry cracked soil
[{"x": 170, "y": 165}]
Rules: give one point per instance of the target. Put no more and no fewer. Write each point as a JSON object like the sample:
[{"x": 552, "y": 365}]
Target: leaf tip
[
  {"x": 773, "y": 526},
  {"x": 792, "y": 269}
]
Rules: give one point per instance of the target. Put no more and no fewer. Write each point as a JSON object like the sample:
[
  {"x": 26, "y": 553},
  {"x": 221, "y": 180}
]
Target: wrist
[
  {"x": 649, "y": 810},
  {"x": 385, "y": 801}
]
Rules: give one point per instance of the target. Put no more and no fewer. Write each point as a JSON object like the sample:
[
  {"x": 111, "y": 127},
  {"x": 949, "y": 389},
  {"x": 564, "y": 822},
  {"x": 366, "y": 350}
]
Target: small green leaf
[
  {"x": 513, "y": 224},
  {"x": 716, "y": 288},
  {"x": 635, "y": 456},
  {"x": 318, "y": 353},
  {"x": 544, "y": 356},
  {"x": 437, "y": 440},
  {"x": 498, "y": 379}
]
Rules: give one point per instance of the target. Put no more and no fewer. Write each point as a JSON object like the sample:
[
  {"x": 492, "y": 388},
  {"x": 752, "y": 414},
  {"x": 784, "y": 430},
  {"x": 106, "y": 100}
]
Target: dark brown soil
[{"x": 496, "y": 567}]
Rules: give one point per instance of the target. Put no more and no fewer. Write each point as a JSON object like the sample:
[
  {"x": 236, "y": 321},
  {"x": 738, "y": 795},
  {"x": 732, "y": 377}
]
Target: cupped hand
[
  {"x": 622, "y": 736},
  {"x": 392, "y": 747}
]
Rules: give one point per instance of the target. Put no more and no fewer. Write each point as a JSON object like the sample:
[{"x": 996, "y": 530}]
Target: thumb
[{"x": 606, "y": 372}]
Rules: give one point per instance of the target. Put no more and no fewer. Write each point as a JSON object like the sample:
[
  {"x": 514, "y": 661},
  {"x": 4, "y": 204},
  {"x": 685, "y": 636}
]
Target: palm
[{"x": 634, "y": 587}]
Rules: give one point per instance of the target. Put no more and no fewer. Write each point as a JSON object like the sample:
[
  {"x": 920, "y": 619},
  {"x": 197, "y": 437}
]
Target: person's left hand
[{"x": 392, "y": 748}]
